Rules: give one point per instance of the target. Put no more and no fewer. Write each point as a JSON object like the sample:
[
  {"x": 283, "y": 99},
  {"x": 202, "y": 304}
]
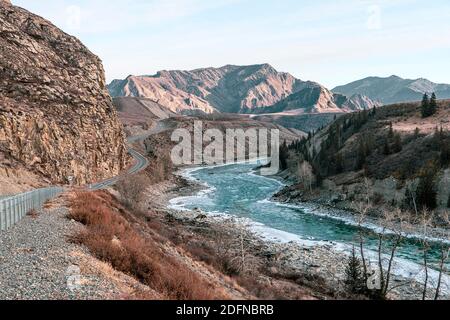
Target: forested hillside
[{"x": 400, "y": 149}]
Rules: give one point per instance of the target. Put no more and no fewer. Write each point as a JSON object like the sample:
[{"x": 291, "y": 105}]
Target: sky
[{"x": 332, "y": 42}]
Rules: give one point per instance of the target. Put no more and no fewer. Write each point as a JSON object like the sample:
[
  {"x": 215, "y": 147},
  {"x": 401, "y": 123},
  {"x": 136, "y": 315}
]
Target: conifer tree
[
  {"x": 426, "y": 193},
  {"x": 445, "y": 154},
  {"x": 425, "y": 107},
  {"x": 339, "y": 163},
  {"x": 361, "y": 156},
  {"x": 284, "y": 154},
  {"x": 354, "y": 279},
  {"x": 391, "y": 131},
  {"x": 433, "y": 104},
  {"x": 386, "y": 148},
  {"x": 416, "y": 133},
  {"x": 397, "y": 146}
]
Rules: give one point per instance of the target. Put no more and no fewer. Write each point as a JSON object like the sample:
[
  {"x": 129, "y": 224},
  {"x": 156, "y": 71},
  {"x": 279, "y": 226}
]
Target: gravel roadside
[{"x": 38, "y": 263}]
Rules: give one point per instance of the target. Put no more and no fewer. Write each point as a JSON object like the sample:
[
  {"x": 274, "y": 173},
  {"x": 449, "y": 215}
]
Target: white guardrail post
[{"x": 14, "y": 208}]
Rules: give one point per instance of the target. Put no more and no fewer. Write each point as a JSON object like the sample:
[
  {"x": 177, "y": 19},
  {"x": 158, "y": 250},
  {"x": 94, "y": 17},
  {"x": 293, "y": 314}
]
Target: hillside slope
[
  {"x": 394, "y": 89},
  {"x": 384, "y": 154},
  {"x": 56, "y": 116}
]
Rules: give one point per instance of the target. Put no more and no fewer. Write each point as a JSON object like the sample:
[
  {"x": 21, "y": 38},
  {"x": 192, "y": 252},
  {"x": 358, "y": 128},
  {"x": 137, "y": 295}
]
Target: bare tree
[
  {"x": 444, "y": 235},
  {"x": 409, "y": 189},
  {"x": 362, "y": 209},
  {"x": 241, "y": 257},
  {"x": 425, "y": 225},
  {"x": 132, "y": 190},
  {"x": 395, "y": 223}
]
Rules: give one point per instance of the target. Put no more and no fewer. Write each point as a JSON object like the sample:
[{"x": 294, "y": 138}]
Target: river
[{"x": 236, "y": 191}]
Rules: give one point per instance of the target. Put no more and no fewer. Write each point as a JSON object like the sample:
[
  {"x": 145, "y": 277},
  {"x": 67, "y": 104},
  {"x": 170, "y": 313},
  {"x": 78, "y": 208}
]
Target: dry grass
[
  {"x": 33, "y": 213},
  {"x": 221, "y": 250},
  {"x": 133, "y": 190},
  {"x": 112, "y": 239}
]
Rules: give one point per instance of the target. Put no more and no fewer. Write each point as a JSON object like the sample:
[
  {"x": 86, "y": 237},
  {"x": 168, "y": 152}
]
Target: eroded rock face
[
  {"x": 229, "y": 89},
  {"x": 56, "y": 116},
  {"x": 235, "y": 89}
]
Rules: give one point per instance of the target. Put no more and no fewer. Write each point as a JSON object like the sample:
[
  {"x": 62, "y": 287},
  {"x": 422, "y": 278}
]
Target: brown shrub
[
  {"x": 33, "y": 213},
  {"x": 112, "y": 239},
  {"x": 133, "y": 190}
]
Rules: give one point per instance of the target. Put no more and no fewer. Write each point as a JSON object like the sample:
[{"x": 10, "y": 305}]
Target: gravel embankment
[{"x": 37, "y": 262}]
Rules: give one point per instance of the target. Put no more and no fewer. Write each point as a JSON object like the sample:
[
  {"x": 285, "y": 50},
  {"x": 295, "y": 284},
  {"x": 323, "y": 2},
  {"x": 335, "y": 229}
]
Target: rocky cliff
[
  {"x": 230, "y": 89},
  {"x": 56, "y": 116}
]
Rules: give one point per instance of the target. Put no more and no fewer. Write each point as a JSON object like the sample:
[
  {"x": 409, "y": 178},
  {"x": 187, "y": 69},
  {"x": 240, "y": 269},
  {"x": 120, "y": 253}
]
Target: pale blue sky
[{"x": 329, "y": 41}]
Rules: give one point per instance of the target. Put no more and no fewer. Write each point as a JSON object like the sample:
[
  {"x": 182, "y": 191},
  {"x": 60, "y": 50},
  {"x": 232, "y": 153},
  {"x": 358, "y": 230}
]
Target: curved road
[
  {"x": 141, "y": 161},
  {"x": 141, "y": 164},
  {"x": 34, "y": 197},
  {"x": 160, "y": 127}
]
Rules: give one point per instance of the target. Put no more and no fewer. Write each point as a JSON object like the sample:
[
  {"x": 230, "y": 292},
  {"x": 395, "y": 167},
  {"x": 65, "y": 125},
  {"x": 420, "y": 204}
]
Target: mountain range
[
  {"x": 394, "y": 89},
  {"x": 251, "y": 89}
]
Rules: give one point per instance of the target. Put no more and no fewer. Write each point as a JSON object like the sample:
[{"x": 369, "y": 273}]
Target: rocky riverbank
[{"x": 323, "y": 263}]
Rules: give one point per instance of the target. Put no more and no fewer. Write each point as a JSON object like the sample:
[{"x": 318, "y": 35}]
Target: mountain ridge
[
  {"x": 394, "y": 89},
  {"x": 230, "y": 89}
]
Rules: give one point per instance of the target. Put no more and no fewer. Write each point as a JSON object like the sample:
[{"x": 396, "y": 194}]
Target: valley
[{"x": 358, "y": 208}]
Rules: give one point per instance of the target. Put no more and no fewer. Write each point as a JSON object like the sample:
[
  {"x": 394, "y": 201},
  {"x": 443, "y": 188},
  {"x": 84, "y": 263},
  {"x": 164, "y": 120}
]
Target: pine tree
[
  {"x": 433, "y": 104},
  {"x": 361, "y": 156},
  {"x": 425, "y": 108},
  {"x": 386, "y": 148},
  {"x": 391, "y": 131},
  {"x": 438, "y": 139},
  {"x": 426, "y": 193},
  {"x": 397, "y": 146},
  {"x": 354, "y": 279},
  {"x": 339, "y": 163},
  {"x": 448, "y": 202},
  {"x": 445, "y": 154},
  {"x": 416, "y": 133},
  {"x": 284, "y": 154}
]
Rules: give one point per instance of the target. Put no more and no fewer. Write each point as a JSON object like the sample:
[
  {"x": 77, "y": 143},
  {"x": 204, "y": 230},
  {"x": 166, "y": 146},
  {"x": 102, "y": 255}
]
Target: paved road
[
  {"x": 141, "y": 161},
  {"x": 141, "y": 164},
  {"x": 160, "y": 127}
]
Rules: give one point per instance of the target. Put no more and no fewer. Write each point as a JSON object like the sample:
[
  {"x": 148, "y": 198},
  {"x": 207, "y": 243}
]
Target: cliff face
[{"x": 56, "y": 116}]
